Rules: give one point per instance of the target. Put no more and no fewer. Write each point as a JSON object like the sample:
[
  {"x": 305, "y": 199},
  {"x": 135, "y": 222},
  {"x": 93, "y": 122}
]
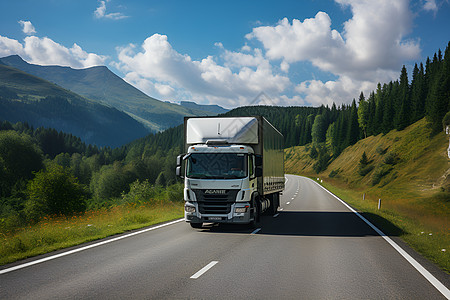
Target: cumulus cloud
[
  {"x": 370, "y": 48},
  {"x": 100, "y": 12},
  {"x": 430, "y": 5},
  {"x": 27, "y": 27},
  {"x": 45, "y": 51},
  {"x": 156, "y": 65}
]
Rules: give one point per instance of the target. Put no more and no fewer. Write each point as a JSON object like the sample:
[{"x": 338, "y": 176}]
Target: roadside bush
[
  {"x": 313, "y": 154},
  {"x": 363, "y": 171},
  {"x": 381, "y": 151},
  {"x": 175, "y": 192},
  {"x": 391, "y": 159},
  {"x": 54, "y": 191},
  {"x": 364, "y": 167},
  {"x": 323, "y": 160},
  {"x": 334, "y": 173},
  {"x": 140, "y": 192},
  {"x": 380, "y": 173}
]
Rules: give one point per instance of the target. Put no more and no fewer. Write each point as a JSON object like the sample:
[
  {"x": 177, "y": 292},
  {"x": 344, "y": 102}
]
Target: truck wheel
[
  {"x": 274, "y": 203},
  {"x": 256, "y": 213},
  {"x": 196, "y": 225}
]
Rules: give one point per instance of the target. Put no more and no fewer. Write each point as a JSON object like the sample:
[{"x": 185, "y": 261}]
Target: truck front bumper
[{"x": 192, "y": 214}]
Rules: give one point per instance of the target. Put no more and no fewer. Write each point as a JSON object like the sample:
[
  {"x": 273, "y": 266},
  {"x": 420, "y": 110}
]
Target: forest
[{"x": 45, "y": 172}]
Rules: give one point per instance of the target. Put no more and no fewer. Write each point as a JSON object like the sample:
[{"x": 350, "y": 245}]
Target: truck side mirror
[
  {"x": 258, "y": 172},
  {"x": 258, "y": 161},
  {"x": 179, "y": 159},
  {"x": 178, "y": 171}
]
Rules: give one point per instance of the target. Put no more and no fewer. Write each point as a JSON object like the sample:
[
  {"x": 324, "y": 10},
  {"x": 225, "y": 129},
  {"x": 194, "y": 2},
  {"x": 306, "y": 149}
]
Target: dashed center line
[
  {"x": 204, "y": 269},
  {"x": 288, "y": 203},
  {"x": 276, "y": 215}
]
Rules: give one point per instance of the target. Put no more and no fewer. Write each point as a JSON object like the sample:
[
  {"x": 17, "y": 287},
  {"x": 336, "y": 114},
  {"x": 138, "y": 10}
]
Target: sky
[{"x": 232, "y": 53}]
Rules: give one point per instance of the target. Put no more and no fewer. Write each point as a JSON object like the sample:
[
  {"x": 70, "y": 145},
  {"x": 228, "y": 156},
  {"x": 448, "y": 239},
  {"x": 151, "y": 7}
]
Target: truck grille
[{"x": 215, "y": 203}]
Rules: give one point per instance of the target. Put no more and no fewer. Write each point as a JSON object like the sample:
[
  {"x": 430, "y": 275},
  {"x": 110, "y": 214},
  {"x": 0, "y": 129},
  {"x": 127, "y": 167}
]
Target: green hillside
[
  {"x": 26, "y": 98},
  {"x": 103, "y": 86},
  {"x": 408, "y": 170}
]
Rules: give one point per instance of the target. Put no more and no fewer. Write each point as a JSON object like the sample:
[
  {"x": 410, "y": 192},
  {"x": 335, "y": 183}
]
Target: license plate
[{"x": 215, "y": 218}]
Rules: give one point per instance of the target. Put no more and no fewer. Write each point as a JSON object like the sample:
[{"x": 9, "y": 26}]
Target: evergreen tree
[
  {"x": 353, "y": 128},
  {"x": 363, "y": 114},
  {"x": 403, "y": 101},
  {"x": 318, "y": 130}
]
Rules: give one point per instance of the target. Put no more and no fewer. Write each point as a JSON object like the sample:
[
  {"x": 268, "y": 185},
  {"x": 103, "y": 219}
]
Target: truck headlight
[
  {"x": 189, "y": 209},
  {"x": 240, "y": 210}
]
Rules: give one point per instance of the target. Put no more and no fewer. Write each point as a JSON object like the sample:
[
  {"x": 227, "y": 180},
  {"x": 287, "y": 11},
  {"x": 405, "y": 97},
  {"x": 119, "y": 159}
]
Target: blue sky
[{"x": 309, "y": 52}]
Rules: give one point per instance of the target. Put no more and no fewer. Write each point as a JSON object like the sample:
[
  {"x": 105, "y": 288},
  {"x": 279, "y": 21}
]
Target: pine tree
[
  {"x": 403, "y": 102},
  {"x": 353, "y": 128},
  {"x": 363, "y": 113}
]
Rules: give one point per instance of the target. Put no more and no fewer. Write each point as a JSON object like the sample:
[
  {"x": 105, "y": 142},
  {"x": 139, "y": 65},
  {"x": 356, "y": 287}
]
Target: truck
[{"x": 233, "y": 169}]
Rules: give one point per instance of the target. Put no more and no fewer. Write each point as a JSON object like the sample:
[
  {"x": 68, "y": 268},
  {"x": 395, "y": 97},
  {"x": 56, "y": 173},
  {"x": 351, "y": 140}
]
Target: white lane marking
[
  {"x": 428, "y": 276},
  {"x": 287, "y": 203},
  {"x": 276, "y": 215},
  {"x": 281, "y": 208},
  {"x": 256, "y": 231},
  {"x": 292, "y": 198},
  {"x": 31, "y": 263},
  {"x": 204, "y": 269}
]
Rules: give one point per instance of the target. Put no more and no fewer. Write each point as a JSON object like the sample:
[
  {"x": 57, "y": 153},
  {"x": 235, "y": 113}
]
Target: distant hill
[
  {"x": 103, "y": 86},
  {"x": 27, "y": 98},
  {"x": 213, "y": 109}
]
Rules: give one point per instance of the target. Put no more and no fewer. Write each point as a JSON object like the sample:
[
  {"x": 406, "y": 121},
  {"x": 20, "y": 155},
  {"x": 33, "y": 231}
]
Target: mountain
[
  {"x": 103, "y": 86},
  {"x": 213, "y": 109},
  {"x": 27, "y": 98}
]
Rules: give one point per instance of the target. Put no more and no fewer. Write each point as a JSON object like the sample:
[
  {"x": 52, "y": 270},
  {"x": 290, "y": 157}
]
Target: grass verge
[
  {"x": 53, "y": 233},
  {"x": 434, "y": 244}
]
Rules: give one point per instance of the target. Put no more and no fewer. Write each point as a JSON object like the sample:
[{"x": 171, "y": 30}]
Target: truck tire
[
  {"x": 196, "y": 225},
  {"x": 274, "y": 203},
  {"x": 256, "y": 213}
]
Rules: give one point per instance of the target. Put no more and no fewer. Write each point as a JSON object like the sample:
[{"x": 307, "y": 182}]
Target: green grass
[{"x": 53, "y": 233}]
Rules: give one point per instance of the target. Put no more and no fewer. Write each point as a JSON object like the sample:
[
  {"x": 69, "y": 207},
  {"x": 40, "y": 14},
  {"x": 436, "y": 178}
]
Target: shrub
[
  {"x": 323, "y": 160},
  {"x": 363, "y": 171},
  {"x": 364, "y": 161},
  {"x": 313, "y": 154},
  {"x": 380, "y": 173},
  {"x": 54, "y": 191},
  {"x": 334, "y": 173},
  {"x": 391, "y": 158},
  {"x": 140, "y": 192},
  {"x": 381, "y": 151}
]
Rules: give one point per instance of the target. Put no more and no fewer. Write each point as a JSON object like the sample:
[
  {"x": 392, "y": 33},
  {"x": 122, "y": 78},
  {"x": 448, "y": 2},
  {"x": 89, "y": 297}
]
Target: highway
[{"x": 315, "y": 248}]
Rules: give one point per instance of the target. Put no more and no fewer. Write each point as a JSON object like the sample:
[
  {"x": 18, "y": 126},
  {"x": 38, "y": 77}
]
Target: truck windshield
[{"x": 217, "y": 165}]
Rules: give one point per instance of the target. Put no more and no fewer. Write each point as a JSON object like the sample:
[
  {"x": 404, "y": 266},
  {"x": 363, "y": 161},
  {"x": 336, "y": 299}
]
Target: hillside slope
[
  {"x": 26, "y": 98},
  {"x": 103, "y": 86},
  {"x": 408, "y": 171},
  {"x": 413, "y": 164}
]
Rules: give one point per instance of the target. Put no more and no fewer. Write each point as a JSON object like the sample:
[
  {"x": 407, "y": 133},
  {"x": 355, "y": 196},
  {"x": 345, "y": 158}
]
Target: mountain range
[{"x": 94, "y": 95}]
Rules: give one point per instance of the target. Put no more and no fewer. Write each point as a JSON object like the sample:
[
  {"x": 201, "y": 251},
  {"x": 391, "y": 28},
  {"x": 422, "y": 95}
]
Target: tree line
[{"x": 33, "y": 161}]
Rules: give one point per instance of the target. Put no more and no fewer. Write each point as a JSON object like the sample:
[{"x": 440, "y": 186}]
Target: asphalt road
[{"x": 315, "y": 248}]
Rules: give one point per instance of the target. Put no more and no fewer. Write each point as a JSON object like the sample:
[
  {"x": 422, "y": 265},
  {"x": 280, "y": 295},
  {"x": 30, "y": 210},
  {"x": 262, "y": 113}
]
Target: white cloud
[
  {"x": 10, "y": 47},
  {"x": 204, "y": 80},
  {"x": 27, "y": 27},
  {"x": 45, "y": 51},
  {"x": 371, "y": 47},
  {"x": 430, "y": 5},
  {"x": 100, "y": 12}
]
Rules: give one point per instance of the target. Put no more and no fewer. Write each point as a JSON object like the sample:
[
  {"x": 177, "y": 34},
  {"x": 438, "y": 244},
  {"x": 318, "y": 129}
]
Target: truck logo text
[{"x": 216, "y": 192}]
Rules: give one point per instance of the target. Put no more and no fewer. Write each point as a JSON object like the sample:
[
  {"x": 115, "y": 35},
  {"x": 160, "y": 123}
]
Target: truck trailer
[{"x": 233, "y": 169}]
